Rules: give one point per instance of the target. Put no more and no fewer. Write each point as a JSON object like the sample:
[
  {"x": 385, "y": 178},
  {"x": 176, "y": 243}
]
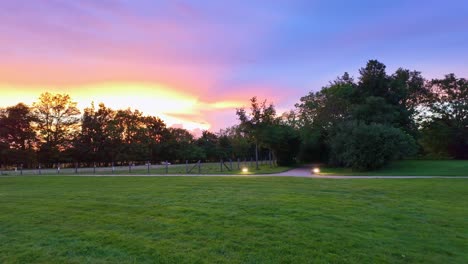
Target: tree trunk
[{"x": 256, "y": 155}]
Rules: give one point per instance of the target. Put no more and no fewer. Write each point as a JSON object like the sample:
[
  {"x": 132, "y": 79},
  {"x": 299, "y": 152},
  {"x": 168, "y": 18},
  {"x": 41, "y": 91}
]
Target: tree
[
  {"x": 377, "y": 98},
  {"x": 375, "y": 110},
  {"x": 209, "y": 142},
  {"x": 284, "y": 142},
  {"x": 407, "y": 94},
  {"x": 178, "y": 144},
  {"x": 130, "y": 126},
  {"x": 16, "y": 127},
  {"x": 253, "y": 124},
  {"x": 154, "y": 132},
  {"x": 57, "y": 120},
  {"x": 319, "y": 112},
  {"x": 373, "y": 80},
  {"x": 329, "y": 106},
  {"x": 239, "y": 144},
  {"x": 17, "y": 135},
  {"x": 447, "y": 121}
]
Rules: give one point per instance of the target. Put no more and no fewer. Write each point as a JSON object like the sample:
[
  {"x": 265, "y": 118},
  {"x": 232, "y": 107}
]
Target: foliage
[
  {"x": 445, "y": 128},
  {"x": 394, "y": 100},
  {"x": 239, "y": 143},
  {"x": 260, "y": 118},
  {"x": 368, "y": 146},
  {"x": 264, "y": 128},
  {"x": 57, "y": 121},
  {"x": 284, "y": 141},
  {"x": 17, "y": 135}
]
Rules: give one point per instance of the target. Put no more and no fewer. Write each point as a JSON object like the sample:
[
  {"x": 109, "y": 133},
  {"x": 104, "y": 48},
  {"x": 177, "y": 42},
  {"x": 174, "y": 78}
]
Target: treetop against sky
[{"x": 194, "y": 62}]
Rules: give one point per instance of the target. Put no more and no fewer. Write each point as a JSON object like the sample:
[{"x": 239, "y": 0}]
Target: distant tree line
[
  {"x": 53, "y": 130},
  {"x": 362, "y": 124}
]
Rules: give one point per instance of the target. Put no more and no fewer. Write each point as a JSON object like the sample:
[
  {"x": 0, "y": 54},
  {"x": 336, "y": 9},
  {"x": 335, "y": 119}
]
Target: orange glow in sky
[
  {"x": 192, "y": 63},
  {"x": 173, "y": 106}
]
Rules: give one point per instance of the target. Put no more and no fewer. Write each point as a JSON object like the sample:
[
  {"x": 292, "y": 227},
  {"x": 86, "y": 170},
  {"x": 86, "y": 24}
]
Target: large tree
[
  {"x": 254, "y": 124},
  {"x": 17, "y": 135},
  {"x": 239, "y": 143},
  {"x": 16, "y": 127},
  {"x": 445, "y": 127},
  {"x": 376, "y": 98},
  {"x": 57, "y": 120},
  {"x": 208, "y": 142}
]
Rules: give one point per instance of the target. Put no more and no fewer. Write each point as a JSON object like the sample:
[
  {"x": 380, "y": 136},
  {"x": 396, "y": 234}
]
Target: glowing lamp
[
  {"x": 316, "y": 170},
  {"x": 245, "y": 170}
]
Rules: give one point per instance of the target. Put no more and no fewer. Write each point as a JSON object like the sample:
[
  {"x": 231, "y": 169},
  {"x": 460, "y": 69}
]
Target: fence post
[
  {"x": 76, "y": 167},
  {"x": 230, "y": 163},
  {"x": 199, "y": 167},
  {"x": 269, "y": 159},
  {"x": 21, "y": 169},
  {"x": 113, "y": 168},
  {"x": 251, "y": 162},
  {"x": 40, "y": 172},
  {"x": 129, "y": 167},
  {"x": 238, "y": 163},
  {"x": 148, "y": 167},
  {"x": 221, "y": 164},
  {"x": 167, "y": 167},
  {"x": 94, "y": 168},
  {"x": 58, "y": 168}
]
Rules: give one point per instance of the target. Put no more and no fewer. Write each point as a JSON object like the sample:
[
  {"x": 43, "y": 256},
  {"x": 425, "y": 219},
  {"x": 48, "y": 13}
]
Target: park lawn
[
  {"x": 409, "y": 168},
  {"x": 206, "y": 168},
  {"x": 232, "y": 220},
  {"x": 209, "y": 168}
]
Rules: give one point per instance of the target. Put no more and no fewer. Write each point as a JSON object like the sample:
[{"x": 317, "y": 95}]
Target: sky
[{"x": 192, "y": 63}]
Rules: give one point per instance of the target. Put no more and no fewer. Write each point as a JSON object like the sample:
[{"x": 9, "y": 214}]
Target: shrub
[{"x": 368, "y": 146}]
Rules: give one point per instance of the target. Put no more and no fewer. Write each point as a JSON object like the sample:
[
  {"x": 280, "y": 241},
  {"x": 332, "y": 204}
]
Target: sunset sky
[{"x": 194, "y": 62}]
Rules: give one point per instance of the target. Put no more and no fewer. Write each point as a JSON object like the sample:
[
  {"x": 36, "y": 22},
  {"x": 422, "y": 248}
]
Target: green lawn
[
  {"x": 211, "y": 168},
  {"x": 410, "y": 168},
  {"x": 205, "y": 168},
  {"x": 232, "y": 220}
]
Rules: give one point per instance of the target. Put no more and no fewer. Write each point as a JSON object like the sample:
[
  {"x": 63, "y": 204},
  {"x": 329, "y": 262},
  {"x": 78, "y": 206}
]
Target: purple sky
[{"x": 212, "y": 56}]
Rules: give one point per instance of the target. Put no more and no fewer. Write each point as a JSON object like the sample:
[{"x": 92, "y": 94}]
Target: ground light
[
  {"x": 316, "y": 170},
  {"x": 245, "y": 170}
]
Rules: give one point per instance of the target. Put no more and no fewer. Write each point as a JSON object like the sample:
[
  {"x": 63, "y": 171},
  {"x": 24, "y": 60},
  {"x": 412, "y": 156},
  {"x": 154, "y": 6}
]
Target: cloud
[{"x": 196, "y": 61}]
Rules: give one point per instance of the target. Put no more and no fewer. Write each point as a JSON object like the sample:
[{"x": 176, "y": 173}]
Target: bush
[{"x": 368, "y": 146}]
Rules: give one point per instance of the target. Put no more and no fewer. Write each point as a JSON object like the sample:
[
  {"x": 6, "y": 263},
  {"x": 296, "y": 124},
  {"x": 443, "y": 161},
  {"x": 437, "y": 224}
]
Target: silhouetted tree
[{"x": 57, "y": 119}]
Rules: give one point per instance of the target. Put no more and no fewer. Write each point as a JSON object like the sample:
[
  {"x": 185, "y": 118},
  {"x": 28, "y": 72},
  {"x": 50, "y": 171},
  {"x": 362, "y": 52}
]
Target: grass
[
  {"x": 205, "y": 168},
  {"x": 409, "y": 168},
  {"x": 232, "y": 220},
  {"x": 212, "y": 168}
]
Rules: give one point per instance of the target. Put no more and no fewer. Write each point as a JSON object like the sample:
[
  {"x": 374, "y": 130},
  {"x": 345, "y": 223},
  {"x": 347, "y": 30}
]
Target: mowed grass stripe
[{"x": 232, "y": 220}]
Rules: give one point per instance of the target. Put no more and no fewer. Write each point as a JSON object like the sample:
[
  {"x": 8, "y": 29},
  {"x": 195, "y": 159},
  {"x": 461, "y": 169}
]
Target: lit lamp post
[
  {"x": 245, "y": 170},
  {"x": 316, "y": 170}
]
